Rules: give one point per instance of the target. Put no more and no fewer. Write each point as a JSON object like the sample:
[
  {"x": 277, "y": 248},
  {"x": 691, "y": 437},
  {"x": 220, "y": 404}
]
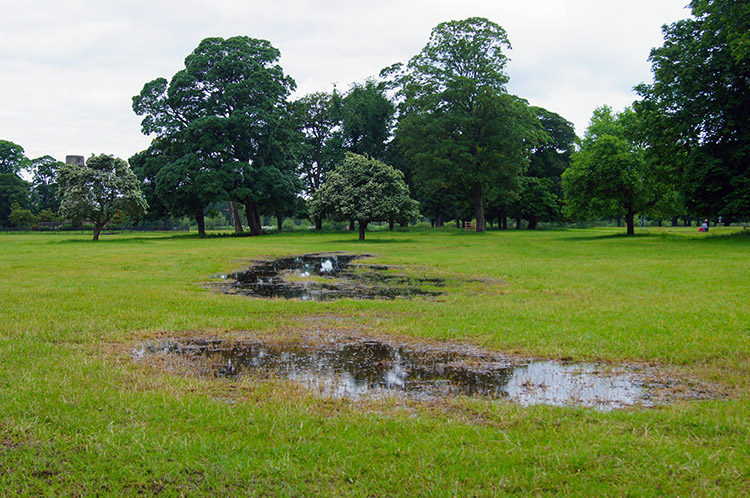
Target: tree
[
  {"x": 365, "y": 190},
  {"x": 44, "y": 183},
  {"x": 610, "y": 175},
  {"x": 319, "y": 117},
  {"x": 12, "y": 158},
  {"x": 457, "y": 121},
  {"x": 366, "y": 119},
  {"x": 21, "y": 217},
  {"x": 221, "y": 118},
  {"x": 699, "y": 106},
  {"x": 540, "y": 197},
  {"x": 100, "y": 190},
  {"x": 13, "y": 189}
]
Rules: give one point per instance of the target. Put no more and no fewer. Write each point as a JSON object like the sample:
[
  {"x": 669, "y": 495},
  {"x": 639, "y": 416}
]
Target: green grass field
[{"x": 79, "y": 417}]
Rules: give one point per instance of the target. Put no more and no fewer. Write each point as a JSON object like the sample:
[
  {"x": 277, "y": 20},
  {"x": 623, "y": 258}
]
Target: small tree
[
  {"x": 103, "y": 188},
  {"x": 611, "y": 175},
  {"x": 364, "y": 190},
  {"x": 21, "y": 217}
]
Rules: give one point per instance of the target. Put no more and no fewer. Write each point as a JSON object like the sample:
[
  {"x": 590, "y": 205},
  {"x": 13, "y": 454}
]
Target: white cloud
[{"x": 69, "y": 69}]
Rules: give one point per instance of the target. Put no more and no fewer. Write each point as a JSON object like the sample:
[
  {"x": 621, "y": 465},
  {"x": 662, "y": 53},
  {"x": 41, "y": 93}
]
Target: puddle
[
  {"x": 365, "y": 367},
  {"x": 322, "y": 277}
]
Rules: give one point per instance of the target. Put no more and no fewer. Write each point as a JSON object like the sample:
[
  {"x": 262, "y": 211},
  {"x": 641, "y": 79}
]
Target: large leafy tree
[
  {"x": 318, "y": 116},
  {"x": 365, "y": 190},
  {"x": 457, "y": 121},
  {"x": 44, "y": 183},
  {"x": 540, "y": 198},
  {"x": 100, "y": 190},
  {"x": 13, "y": 189},
  {"x": 222, "y": 118},
  {"x": 699, "y": 106},
  {"x": 610, "y": 175},
  {"x": 367, "y": 119},
  {"x": 12, "y": 158}
]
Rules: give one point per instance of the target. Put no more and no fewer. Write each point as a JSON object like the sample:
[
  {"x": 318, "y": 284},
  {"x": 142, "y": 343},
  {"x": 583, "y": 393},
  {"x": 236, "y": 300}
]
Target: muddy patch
[
  {"x": 323, "y": 277},
  {"x": 363, "y": 367}
]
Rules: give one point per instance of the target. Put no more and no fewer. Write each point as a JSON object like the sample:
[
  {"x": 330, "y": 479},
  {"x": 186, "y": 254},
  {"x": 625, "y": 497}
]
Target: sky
[{"x": 69, "y": 70}]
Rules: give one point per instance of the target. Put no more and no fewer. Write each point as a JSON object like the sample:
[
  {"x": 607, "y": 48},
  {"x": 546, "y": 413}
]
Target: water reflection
[
  {"x": 321, "y": 277},
  {"x": 373, "y": 368}
]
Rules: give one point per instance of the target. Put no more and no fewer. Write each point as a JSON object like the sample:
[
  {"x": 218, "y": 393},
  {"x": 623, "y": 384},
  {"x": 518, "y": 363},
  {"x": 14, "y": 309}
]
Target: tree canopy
[
  {"x": 610, "y": 175},
  {"x": 365, "y": 190},
  {"x": 12, "y": 158},
  {"x": 457, "y": 122},
  {"x": 699, "y": 106},
  {"x": 100, "y": 190},
  {"x": 222, "y": 122}
]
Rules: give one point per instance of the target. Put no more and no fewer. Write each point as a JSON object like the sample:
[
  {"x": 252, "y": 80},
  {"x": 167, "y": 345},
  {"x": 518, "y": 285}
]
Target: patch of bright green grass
[{"x": 79, "y": 417}]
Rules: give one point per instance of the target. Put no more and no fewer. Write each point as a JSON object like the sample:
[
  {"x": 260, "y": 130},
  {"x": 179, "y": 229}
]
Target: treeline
[{"x": 225, "y": 130}]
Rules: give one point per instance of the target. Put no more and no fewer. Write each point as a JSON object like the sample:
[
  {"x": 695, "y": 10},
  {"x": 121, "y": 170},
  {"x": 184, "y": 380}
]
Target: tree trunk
[
  {"x": 279, "y": 222},
  {"x": 319, "y": 224},
  {"x": 391, "y": 224},
  {"x": 351, "y": 225},
  {"x": 518, "y": 223},
  {"x": 439, "y": 221},
  {"x": 659, "y": 222},
  {"x": 235, "y": 217},
  {"x": 362, "y": 228},
  {"x": 200, "y": 221},
  {"x": 458, "y": 222},
  {"x": 97, "y": 231},
  {"x": 476, "y": 194},
  {"x": 404, "y": 224},
  {"x": 533, "y": 221},
  {"x": 619, "y": 222},
  {"x": 674, "y": 221},
  {"x": 630, "y": 222},
  {"x": 432, "y": 223},
  {"x": 503, "y": 219},
  {"x": 253, "y": 218}
]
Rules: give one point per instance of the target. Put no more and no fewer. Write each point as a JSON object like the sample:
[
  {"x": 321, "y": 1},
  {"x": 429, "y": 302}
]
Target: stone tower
[{"x": 77, "y": 160}]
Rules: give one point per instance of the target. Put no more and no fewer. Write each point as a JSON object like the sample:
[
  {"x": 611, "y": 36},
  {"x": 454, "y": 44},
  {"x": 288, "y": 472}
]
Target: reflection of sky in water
[
  {"x": 372, "y": 368},
  {"x": 270, "y": 279}
]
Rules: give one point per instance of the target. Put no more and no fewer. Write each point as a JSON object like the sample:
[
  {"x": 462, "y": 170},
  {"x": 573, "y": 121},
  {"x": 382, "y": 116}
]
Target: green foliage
[
  {"x": 366, "y": 119},
  {"x": 102, "y": 189},
  {"x": 458, "y": 129},
  {"x": 21, "y": 217},
  {"x": 224, "y": 129},
  {"x": 12, "y": 189},
  {"x": 364, "y": 190},
  {"x": 540, "y": 195},
  {"x": 12, "y": 158},
  {"x": 610, "y": 176},
  {"x": 698, "y": 106},
  {"x": 44, "y": 182},
  {"x": 318, "y": 116}
]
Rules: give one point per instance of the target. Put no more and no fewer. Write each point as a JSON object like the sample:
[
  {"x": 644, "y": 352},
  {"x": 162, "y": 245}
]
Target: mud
[
  {"x": 323, "y": 277},
  {"x": 362, "y": 367}
]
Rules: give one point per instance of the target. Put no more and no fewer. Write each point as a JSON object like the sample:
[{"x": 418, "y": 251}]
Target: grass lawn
[{"x": 79, "y": 417}]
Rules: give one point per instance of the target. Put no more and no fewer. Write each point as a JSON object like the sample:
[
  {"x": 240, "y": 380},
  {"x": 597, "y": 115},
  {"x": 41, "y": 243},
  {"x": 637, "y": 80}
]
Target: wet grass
[{"x": 79, "y": 417}]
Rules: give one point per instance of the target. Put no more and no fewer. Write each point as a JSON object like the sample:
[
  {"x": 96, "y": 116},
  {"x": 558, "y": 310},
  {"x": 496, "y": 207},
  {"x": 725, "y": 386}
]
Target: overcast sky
[{"x": 68, "y": 70}]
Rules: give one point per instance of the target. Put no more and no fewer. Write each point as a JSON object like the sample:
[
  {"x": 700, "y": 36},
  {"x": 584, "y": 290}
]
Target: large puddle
[
  {"x": 367, "y": 367},
  {"x": 322, "y": 277}
]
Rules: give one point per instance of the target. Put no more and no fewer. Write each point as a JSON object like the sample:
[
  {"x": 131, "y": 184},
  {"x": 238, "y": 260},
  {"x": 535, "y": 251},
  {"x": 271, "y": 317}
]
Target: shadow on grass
[
  {"x": 369, "y": 241},
  {"x": 612, "y": 236},
  {"x": 739, "y": 237},
  {"x": 106, "y": 239}
]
